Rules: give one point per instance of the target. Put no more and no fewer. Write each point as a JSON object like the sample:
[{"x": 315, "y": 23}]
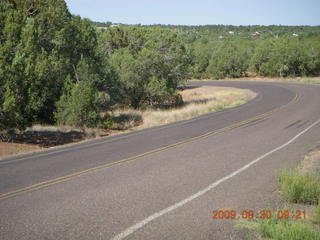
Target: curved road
[{"x": 163, "y": 182}]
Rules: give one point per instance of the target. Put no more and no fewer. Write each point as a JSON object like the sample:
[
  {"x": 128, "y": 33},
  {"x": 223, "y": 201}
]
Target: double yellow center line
[{"x": 129, "y": 159}]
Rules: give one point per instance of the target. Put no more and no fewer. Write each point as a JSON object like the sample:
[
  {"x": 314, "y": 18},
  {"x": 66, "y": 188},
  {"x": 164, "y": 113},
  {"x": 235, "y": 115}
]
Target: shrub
[
  {"x": 81, "y": 106},
  {"x": 230, "y": 60},
  {"x": 107, "y": 122},
  {"x": 128, "y": 120}
]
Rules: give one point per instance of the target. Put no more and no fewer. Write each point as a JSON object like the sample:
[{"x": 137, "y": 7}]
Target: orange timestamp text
[{"x": 248, "y": 214}]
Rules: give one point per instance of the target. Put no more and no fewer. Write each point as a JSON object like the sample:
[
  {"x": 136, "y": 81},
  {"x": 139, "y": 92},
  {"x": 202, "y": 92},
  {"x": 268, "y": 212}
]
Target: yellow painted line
[{"x": 129, "y": 159}]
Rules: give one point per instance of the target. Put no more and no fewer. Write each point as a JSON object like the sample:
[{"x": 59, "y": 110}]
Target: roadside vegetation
[
  {"x": 196, "y": 101},
  {"x": 309, "y": 80},
  {"x": 300, "y": 188},
  {"x": 279, "y": 229},
  {"x": 57, "y": 69}
]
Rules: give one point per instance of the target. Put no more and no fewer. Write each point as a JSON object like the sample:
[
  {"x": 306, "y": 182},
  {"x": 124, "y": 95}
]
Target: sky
[{"x": 200, "y": 12}]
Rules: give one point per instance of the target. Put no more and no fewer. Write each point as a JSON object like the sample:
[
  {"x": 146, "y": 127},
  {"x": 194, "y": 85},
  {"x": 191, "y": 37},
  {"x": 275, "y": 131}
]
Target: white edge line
[{"x": 142, "y": 223}]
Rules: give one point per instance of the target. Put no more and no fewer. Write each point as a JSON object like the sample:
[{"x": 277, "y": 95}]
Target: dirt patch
[
  {"x": 34, "y": 141},
  {"x": 311, "y": 162},
  {"x": 48, "y": 139},
  {"x": 7, "y": 149}
]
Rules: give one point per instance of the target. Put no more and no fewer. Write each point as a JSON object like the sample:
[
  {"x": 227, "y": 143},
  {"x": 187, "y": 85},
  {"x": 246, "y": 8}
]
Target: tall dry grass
[
  {"x": 195, "y": 104},
  {"x": 311, "y": 80}
]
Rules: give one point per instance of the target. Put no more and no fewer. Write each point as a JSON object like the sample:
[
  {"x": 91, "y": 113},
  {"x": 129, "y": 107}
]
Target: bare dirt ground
[
  {"x": 311, "y": 163},
  {"x": 7, "y": 149},
  {"x": 32, "y": 141}
]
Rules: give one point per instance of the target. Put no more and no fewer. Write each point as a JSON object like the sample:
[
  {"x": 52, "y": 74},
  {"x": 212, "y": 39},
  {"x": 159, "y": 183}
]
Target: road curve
[{"x": 163, "y": 182}]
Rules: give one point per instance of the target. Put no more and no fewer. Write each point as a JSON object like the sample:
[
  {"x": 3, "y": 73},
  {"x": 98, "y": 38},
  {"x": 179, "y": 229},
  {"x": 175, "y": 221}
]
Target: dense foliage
[
  {"x": 56, "y": 68},
  {"x": 42, "y": 53},
  {"x": 230, "y": 60},
  {"x": 287, "y": 57},
  {"x": 149, "y": 64},
  {"x": 229, "y": 51}
]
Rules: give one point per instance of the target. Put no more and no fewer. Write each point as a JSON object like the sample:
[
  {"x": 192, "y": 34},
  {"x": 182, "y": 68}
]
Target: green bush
[
  {"x": 37, "y": 54},
  {"x": 81, "y": 106},
  {"x": 283, "y": 58},
  {"x": 299, "y": 188},
  {"x": 230, "y": 60},
  {"x": 107, "y": 122}
]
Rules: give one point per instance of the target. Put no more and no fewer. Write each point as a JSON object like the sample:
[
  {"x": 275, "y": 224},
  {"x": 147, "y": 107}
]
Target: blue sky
[{"x": 200, "y": 12}]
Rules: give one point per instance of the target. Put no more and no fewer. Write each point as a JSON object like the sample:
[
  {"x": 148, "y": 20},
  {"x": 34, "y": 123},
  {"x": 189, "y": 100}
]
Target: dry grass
[
  {"x": 198, "y": 101},
  {"x": 312, "y": 80},
  {"x": 311, "y": 162},
  {"x": 52, "y": 128}
]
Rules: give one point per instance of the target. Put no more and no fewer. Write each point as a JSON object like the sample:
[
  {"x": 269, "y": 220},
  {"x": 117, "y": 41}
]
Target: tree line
[
  {"x": 234, "y": 51},
  {"x": 57, "y": 68}
]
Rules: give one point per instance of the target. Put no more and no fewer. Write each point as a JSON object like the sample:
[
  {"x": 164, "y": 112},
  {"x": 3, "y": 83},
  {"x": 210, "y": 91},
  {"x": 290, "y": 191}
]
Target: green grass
[
  {"x": 284, "y": 229},
  {"x": 299, "y": 188},
  {"x": 296, "y": 188},
  {"x": 317, "y": 215},
  {"x": 279, "y": 229}
]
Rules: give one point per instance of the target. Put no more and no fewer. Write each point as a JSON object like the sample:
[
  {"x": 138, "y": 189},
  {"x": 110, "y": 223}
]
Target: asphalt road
[{"x": 163, "y": 182}]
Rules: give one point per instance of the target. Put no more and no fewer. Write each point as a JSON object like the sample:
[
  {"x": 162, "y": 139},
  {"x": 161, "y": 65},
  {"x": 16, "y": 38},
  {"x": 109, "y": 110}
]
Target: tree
[
  {"x": 11, "y": 106},
  {"x": 148, "y": 64},
  {"x": 81, "y": 102},
  {"x": 41, "y": 47},
  {"x": 281, "y": 57},
  {"x": 312, "y": 49},
  {"x": 81, "y": 106},
  {"x": 231, "y": 60}
]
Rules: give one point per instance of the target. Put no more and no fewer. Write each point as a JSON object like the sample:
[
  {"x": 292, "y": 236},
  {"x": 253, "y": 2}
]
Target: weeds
[
  {"x": 284, "y": 229},
  {"x": 127, "y": 120},
  {"x": 316, "y": 218},
  {"x": 299, "y": 188},
  {"x": 280, "y": 229}
]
